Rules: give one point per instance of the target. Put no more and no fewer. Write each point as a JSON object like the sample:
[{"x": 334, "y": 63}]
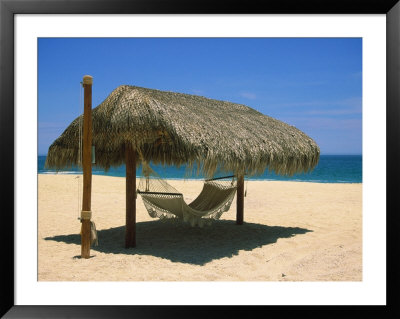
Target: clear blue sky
[{"x": 314, "y": 84}]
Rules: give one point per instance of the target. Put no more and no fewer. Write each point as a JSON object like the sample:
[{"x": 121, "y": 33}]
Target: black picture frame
[{"x": 9, "y": 8}]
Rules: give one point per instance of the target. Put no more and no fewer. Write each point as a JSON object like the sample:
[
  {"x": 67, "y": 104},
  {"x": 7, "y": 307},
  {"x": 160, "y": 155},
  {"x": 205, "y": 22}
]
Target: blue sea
[{"x": 330, "y": 169}]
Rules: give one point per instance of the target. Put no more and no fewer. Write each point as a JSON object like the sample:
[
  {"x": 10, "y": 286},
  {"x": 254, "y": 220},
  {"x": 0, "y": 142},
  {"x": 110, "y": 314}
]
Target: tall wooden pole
[
  {"x": 87, "y": 167},
  {"x": 240, "y": 200},
  {"x": 130, "y": 162}
]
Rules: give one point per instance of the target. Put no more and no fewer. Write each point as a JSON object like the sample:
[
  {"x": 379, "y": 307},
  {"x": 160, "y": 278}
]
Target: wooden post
[
  {"x": 87, "y": 167},
  {"x": 130, "y": 162},
  {"x": 240, "y": 200}
]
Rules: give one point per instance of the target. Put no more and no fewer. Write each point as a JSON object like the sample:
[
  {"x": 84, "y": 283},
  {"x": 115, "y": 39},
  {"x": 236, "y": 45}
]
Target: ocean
[{"x": 330, "y": 169}]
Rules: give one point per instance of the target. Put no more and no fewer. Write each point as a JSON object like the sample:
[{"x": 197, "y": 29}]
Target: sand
[{"x": 293, "y": 231}]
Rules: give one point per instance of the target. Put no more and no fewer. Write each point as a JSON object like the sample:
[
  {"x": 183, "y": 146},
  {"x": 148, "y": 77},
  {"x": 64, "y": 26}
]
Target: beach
[{"x": 292, "y": 231}]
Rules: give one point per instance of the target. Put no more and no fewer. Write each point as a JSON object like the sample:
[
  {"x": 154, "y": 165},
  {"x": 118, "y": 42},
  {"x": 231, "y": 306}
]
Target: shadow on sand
[{"x": 180, "y": 242}]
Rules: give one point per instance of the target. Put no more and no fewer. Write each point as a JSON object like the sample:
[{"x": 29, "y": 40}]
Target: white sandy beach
[{"x": 293, "y": 231}]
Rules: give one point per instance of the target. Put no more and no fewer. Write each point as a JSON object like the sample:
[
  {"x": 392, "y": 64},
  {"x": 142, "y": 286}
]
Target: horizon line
[{"x": 329, "y": 154}]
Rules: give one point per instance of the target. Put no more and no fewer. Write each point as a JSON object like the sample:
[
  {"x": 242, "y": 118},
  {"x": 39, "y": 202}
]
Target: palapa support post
[
  {"x": 240, "y": 200},
  {"x": 130, "y": 162},
  {"x": 87, "y": 167}
]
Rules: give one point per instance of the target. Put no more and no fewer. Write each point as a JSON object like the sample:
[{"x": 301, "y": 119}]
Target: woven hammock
[{"x": 164, "y": 201}]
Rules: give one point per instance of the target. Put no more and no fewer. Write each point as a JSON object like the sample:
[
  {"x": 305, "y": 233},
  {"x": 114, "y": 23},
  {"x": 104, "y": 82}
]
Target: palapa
[{"x": 173, "y": 129}]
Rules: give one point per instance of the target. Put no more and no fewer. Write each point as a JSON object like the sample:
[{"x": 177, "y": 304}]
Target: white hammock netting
[{"x": 164, "y": 201}]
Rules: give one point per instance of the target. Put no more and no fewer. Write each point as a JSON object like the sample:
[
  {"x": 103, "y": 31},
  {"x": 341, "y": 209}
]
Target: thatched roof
[{"x": 173, "y": 128}]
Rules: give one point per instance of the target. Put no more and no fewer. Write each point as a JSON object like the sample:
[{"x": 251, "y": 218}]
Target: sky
[{"x": 314, "y": 84}]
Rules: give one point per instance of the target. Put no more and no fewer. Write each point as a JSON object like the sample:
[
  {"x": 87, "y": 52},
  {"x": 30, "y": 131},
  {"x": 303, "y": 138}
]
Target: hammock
[{"x": 164, "y": 201}]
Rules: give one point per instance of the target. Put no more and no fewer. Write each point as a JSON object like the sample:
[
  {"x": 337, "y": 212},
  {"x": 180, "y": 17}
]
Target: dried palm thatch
[{"x": 173, "y": 129}]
